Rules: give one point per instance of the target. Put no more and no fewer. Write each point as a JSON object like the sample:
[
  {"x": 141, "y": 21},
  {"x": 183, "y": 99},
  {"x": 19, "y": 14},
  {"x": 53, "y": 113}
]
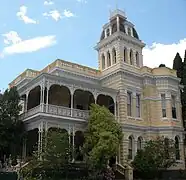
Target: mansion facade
[{"x": 145, "y": 101}]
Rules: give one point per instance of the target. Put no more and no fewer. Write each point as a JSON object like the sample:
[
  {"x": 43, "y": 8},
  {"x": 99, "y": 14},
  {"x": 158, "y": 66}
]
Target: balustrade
[{"x": 56, "y": 110}]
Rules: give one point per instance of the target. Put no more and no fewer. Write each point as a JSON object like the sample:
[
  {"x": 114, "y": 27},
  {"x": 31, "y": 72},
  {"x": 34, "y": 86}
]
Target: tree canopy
[
  {"x": 157, "y": 154},
  {"x": 54, "y": 158},
  {"x": 102, "y": 137},
  {"x": 11, "y": 128}
]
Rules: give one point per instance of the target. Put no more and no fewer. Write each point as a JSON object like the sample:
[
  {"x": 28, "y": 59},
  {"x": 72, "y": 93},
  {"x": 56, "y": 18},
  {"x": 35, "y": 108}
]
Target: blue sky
[{"x": 35, "y": 33}]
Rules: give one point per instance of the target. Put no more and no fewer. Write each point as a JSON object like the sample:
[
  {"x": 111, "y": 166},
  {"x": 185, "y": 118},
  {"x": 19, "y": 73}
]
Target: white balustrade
[{"x": 56, "y": 110}]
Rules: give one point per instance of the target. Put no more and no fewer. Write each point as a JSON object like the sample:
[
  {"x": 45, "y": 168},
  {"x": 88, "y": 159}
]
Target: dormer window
[{"x": 108, "y": 32}]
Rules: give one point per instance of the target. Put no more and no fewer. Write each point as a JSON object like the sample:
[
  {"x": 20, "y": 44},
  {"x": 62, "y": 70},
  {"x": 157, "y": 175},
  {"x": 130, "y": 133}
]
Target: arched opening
[
  {"x": 114, "y": 55},
  {"x": 103, "y": 61},
  {"x": 31, "y": 142},
  {"x": 131, "y": 57},
  {"x": 122, "y": 27},
  {"x": 108, "y": 59},
  {"x": 129, "y": 31},
  {"x": 130, "y": 147},
  {"x": 59, "y": 95},
  {"x": 177, "y": 147},
  {"x": 56, "y": 129},
  {"x": 107, "y": 101},
  {"x": 137, "y": 59},
  {"x": 139, "y": 143},
  {"x": 114, "y": 28},
  {"x": 83, "y": 99},
  {"x": 78, "y": 142},
  {"x": 23, "y": 103},
  {"x": 34, "y": 97},
  {"x": 125, "y": 54}
]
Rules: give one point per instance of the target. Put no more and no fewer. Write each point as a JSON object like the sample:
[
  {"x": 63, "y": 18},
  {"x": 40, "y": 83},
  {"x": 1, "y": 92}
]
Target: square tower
[{"x": 119, "y": 43}]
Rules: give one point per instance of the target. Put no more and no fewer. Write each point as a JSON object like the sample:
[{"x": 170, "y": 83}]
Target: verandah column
[{"x": 71, "y": 100}]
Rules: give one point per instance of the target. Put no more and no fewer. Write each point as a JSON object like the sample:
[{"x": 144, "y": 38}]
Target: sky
[{"x": 35, "y": 33}]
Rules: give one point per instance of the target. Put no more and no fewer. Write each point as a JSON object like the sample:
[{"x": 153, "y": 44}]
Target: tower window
[
  {"x": 163, "y": 104},
  {"x": 108, "y": 32},
  {"x": 129, "y": 104},
  {"x": 114, "y": 56},
  {"x": 137, "y": 105},
  {"x": 125, "y": 55},
  {"x": 108, "y": 59},
  {"x": 103, "y": 61},
  {"x": 131, "y": 57},
  {"x": 173, "y": 99},
  {"x": 137, "y": 59},
  {"x": 129, "y": 31}
]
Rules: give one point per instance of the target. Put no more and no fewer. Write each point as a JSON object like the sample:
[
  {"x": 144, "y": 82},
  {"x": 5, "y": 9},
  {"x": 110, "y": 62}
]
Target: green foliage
[
  {"x": 11, "y": 128},
  {"x": 157, "y": 154},
  {"x": 178, "y": 65},
  {"x": 102, "y": 137},
  {"x": 55, "y": 156}
]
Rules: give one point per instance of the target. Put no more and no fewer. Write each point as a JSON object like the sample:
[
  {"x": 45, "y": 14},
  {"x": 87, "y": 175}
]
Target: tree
[
  {"x": 11, "y": 128},
  {"x": 157, "y": 154},
  {"x": 102, "y": 138},
  {"x": 54, "y": 158},
  {"x": 178, "y": 65}
]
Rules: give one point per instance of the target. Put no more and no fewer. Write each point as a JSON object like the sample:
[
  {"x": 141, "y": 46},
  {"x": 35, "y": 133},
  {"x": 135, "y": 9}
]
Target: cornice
[{"x": 118, "y": 36}]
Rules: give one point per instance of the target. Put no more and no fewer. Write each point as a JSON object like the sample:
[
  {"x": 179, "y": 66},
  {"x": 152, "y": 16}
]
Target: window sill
[{"x": 134, "y": 118}]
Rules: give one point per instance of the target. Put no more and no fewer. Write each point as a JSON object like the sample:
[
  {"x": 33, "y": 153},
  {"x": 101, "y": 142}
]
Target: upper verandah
[{"x": 85, "y": 70}]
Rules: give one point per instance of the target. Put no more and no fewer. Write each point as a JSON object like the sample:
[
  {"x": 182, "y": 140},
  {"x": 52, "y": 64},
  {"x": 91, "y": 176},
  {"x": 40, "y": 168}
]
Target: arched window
[
  {"x": 139, "y": 143},
  {"x": 125, "y": 55},
  {"x": 114, "y": 56},
  {"x": 108, "y": 32},
  {"x": 177, "y": 147},
  {"x": 131, "y": 57},
  {"x": 130, "y": 148},
  {"x": 137, "y": 59},
  {"x": 108, "y": 59},
  {"x": 129, "y": 31},
  {"x": 103, "y": 61}
]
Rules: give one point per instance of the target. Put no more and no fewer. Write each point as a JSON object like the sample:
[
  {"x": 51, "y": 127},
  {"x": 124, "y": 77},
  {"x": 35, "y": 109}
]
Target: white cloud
[
  {"x": 68, "y": 13},
  {"x": 48, "y": 2},
  {"x": 158, "y": 53},
  {"x": 56, "y": 15},
  {"x": 82, "y": 1},
  {"x": 22, "y": 16},
  {"x": 17, "y": 45},
  {"x": 11, "y": 38}
]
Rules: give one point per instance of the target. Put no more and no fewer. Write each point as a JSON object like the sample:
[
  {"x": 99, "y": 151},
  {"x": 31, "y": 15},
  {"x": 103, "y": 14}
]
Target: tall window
[
  {"x": 108, "y": 59},
  {"x": 163, "y": 105},
  {"x": 137, "y": 59},
  {"x": 130, "y": 147},
  {"x": 177, "y": 147},
  {"x": 108, "y": 32},
  {"x": 139, "y": 144},
  {"x": 173, "y": 98},
  {"x": 103, "y": 61},
  {"x": 131, "y": 57},
  {"x": 125, "y": 54},
  {"x": 137, "y": 105},
  {"x": 129, "y": 31},
  {"x": 129, "y": 104},
  {"x": 114, "y": 56}
]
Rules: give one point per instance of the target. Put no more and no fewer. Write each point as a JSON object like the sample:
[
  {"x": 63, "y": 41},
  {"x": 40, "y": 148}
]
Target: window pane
[
  {"x": 163, "y": 104},
  {"x": 129, "y": 104}
]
